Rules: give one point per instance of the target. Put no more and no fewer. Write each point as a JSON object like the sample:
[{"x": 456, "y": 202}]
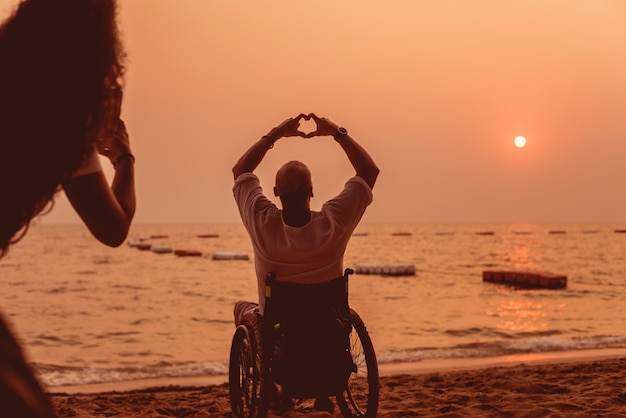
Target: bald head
[
  {"x": 293, "y": 183},
  {"x": 293, "y": 177}
]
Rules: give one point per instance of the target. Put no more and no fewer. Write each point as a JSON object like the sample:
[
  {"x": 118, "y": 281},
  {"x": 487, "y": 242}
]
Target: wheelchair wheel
[
  {"x": 360, "y": 399},
  {"x": 246, "y": 375}
]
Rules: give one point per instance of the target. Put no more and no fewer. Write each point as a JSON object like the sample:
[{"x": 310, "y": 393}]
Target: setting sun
[{"x": 520, "y": 141}]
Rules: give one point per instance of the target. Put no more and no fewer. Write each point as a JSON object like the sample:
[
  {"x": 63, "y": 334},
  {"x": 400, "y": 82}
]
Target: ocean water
[{"x": 89, "y": 314}]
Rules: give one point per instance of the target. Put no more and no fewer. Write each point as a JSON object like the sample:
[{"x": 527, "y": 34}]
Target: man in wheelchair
[{"x": 297, "y": 245}]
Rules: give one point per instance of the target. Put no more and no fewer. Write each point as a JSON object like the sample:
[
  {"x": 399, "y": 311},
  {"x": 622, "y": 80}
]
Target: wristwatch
[{"x": 341, "y": 132}]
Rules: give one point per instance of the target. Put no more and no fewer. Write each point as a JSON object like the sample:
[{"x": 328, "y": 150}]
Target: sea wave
[
  {"x": 543, "y": 344},
  {"x": 55, "y": 376},
  {"x": 58, "y": 376}
]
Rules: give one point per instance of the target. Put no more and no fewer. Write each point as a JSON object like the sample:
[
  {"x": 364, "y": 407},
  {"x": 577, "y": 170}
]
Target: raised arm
[
  {"x": 251, "y": 159},
  {"x": 107, "y": 211},
  {"x": 359, "y": 158}
]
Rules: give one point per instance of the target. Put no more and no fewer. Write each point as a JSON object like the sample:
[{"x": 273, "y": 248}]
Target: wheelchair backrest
[{"x": 309, "y": 328}]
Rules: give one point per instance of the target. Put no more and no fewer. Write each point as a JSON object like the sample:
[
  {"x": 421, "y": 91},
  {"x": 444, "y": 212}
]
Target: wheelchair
[{"x": 311, "y": 344}]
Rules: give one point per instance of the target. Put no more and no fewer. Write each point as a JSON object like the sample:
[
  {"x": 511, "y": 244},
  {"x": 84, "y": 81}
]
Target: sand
[{"x": 592, "y": 388}]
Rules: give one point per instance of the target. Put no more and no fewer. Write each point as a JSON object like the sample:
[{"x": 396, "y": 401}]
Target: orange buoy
[{"x": 187, "y": 253}]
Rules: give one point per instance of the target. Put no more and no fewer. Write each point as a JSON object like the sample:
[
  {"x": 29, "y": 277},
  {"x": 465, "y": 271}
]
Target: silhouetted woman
[{"x": 61, "y": 79}]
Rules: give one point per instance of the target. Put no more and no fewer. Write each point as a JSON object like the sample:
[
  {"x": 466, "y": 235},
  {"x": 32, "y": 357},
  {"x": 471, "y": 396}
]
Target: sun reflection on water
[
  {"x": 517, "y": 247},
  {"x": 521, "y": 315},
  {"x": 516, "y": 310}
]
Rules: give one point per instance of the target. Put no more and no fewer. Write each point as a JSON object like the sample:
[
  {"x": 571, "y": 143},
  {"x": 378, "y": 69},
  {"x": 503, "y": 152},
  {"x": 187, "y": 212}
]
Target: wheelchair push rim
[{"x": 244, "y": 377}]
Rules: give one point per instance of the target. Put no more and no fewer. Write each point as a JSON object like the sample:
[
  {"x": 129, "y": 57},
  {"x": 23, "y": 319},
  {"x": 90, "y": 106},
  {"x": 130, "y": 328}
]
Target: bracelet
[
  {"x": 123, "y": 156},
  {"x": 269, "y": 139},
  {"x": 273, "y": 131}
]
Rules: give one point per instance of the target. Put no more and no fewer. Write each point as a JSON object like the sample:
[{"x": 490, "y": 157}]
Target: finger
[{"x": 104, "y": 151}]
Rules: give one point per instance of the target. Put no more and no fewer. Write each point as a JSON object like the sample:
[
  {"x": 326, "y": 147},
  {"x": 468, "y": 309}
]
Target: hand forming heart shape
[
  {"x": 307, "y": 126},
  {"x": 323, "y": 126}
]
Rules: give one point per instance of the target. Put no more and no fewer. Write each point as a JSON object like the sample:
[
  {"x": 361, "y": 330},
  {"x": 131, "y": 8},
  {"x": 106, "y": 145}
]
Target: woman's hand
[{"x": 114, "y": 142}]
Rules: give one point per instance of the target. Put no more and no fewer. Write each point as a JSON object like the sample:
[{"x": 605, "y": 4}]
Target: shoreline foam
[{"x": 387, "y": 369}]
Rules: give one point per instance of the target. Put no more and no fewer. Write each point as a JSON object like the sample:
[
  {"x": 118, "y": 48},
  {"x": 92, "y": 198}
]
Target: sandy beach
[{"x": 570, "y": 388}]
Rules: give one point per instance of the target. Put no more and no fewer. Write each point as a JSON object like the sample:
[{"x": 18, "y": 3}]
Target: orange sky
[{"x": 435, "y": 90}]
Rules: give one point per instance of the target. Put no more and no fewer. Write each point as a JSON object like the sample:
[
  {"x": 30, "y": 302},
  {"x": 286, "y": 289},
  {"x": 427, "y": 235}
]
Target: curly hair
[{"x": 59, "y": 62}]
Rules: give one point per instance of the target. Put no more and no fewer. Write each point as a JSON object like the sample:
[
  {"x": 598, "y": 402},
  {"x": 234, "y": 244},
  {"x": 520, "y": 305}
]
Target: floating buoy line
[
  {"x": 143, "y": 244},
  {"x": 522, "y": 279},
  {"x": 386, "y": 269}
]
